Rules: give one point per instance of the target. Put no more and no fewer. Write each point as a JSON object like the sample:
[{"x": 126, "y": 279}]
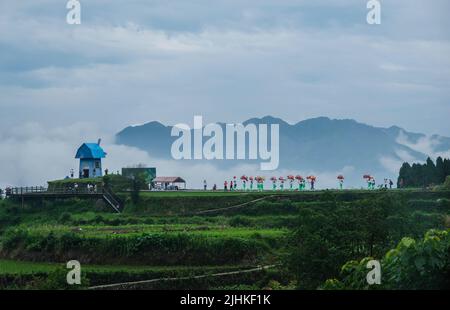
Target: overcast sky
[{"x": 135, "y": 61}]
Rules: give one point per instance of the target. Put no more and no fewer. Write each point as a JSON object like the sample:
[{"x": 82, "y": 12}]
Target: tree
[
  {"x": 440, "y": 170},
  {"x": 138, "y": 182},
  {"x": 430, "y": 172},
  {"x": 404, "y": 175},
  {"x": 447, "y": 167},
  {"x": 423, "y": 264},
  {"x": 423, "y": 175},
  {"x": 447, "y": 182},
  {"x": 325, "y": 238}
]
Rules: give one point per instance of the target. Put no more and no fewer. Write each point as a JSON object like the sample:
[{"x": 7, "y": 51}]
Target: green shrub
[
  {"x": 413, "y": 265},
  {"x": 447, "y": 182},
  {"x": 325, "y": 238},
  {"x": 98, "y": 219},
  {"x": 240, "y": 221},
  {"x": 65, "y": 218},
  {"x": 57, "y": 280},
  {"x": 12, "y": 238},
  {"x": 155, "y": 248}
]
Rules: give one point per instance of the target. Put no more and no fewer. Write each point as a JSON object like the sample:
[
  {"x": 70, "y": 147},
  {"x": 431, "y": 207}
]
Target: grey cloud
[{"x": 136, "y": 61}]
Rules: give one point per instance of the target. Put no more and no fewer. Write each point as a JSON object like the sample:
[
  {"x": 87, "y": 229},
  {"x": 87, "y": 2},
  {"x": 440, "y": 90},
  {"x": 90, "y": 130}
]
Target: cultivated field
[{"x": 187, "y": 234}]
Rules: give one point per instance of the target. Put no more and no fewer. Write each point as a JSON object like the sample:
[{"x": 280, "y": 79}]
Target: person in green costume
[
  {"x": 341, "y": 181},
  {"x": 299, "y": 180},
  {"x": 291, "y": 183},
  {"x": 261, "y": 184}
]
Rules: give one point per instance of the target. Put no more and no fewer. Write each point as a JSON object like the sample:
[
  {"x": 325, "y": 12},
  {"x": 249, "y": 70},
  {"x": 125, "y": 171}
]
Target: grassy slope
[{"x": 165, "y": 214}]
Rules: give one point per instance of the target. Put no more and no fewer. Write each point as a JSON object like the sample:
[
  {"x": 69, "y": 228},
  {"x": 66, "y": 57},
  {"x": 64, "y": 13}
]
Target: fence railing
[
  {"x": 25, "y": 190},
  {"x": 18, "y": 191},
  {"x": 65, "y": 191}
]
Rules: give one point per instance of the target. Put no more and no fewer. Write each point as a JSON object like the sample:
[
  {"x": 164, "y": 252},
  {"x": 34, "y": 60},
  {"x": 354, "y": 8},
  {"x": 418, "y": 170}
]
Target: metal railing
[
  {"x": 65, "y": 191},
  {"x": 25, "y": 190},
  {"x": 112, "y": 200},
  {"x": 19, "y": 191}
]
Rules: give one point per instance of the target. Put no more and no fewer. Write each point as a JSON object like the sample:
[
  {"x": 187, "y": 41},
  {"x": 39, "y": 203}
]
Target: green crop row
[{"x": 143, "y": 248}]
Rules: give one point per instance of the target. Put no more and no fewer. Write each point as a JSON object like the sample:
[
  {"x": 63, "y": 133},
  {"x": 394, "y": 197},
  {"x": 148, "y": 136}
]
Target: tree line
[{"x": 423, "y": 175}]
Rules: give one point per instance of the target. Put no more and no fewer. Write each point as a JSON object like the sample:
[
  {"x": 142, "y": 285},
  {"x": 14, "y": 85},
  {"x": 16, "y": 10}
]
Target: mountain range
[{"x": 318, "y": 144}]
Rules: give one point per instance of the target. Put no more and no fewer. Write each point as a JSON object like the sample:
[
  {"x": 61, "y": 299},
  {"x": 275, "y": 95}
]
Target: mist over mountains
[{"x": 318, "y": 145}]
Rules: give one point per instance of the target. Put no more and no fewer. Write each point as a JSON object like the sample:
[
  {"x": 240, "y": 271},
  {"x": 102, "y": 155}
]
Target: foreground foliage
[
  {"x": 309, "y": 235},
  {"x": 422, "y": 264},
  {"x": 328, "y": 237}
]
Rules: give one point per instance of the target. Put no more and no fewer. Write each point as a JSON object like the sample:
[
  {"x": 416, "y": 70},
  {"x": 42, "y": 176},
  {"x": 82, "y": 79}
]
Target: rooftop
[
  {"x": 169, "y": 180},
  {"x": 90, "y": 151}
]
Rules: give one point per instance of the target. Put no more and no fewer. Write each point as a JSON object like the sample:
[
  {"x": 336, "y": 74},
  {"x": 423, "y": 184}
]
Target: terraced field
[{"x": 169, "y": 235}]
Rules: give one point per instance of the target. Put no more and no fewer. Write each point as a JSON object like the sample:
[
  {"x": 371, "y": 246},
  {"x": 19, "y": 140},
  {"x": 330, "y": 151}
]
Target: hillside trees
[
  {"x": 326, "y": 238},
  {"x": 328, "y": 235},
  {"x": 447, "y": 182},
  {"x": 422, "y": 264},
  {"x": 138, "y": 182},
  {"x": 423, "y": 175}
]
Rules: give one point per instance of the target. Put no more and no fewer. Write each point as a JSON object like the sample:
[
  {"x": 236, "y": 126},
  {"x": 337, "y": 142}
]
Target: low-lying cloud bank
[
  {"x": 425, "y": 144},
  {"x": 31, "y": 155}
]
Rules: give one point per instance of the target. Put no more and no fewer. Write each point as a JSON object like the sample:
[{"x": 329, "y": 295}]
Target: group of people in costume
[
  {"x": 251, "y": 180},
  {"x": 295, "y": 183},
  {"x": 370, "y": 181},
  {"x": 248, "y": 183}
]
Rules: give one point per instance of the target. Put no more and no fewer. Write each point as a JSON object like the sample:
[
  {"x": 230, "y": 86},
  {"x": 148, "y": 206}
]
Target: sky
[{"x": 134, "y": 61}]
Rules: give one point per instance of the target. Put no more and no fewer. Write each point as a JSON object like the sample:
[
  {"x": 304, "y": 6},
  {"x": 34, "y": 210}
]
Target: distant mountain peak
[
  {"x": 316, "y": 144},
  {"x": 154, "y": 123},
  {"x": 268, "y": 119},
  {"x": 396, "y": 128}
]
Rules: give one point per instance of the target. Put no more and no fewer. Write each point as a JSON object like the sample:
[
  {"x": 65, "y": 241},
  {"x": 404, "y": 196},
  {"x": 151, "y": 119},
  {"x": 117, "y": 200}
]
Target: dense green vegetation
[
  {"x": 308, "y": 236},
  {"x": 424, "y": 175},
  {"x": 156, "y": 248},
  {"x": 447, "y": 183},
  {"x": 327, "y": 237},
  {"x": 422, "y": 264},
  {"x": 20, "y": 274}
]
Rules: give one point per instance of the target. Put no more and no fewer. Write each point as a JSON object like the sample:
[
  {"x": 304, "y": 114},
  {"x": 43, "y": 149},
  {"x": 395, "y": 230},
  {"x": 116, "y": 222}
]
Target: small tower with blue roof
[{"x": 90, "y": 155}]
